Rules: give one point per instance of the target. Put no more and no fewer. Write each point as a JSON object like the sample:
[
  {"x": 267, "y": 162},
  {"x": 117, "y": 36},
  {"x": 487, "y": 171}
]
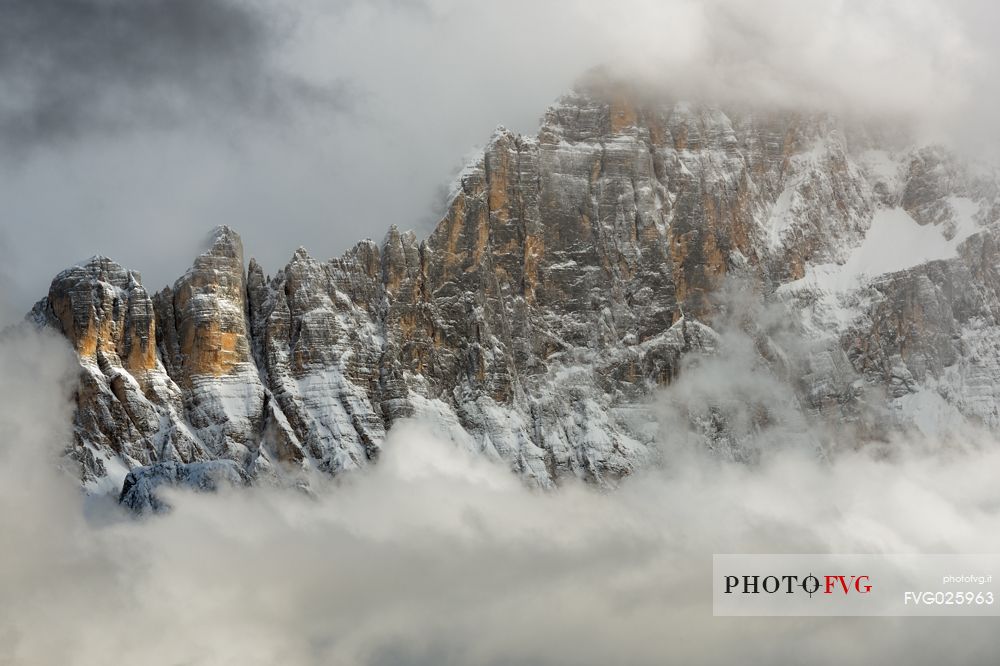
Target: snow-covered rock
[
  {"x": 574, "y": 274},
  {"x": 139, "y": 488}
]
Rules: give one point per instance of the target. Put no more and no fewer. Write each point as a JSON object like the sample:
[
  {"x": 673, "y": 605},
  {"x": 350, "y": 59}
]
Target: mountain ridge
[{"x": 571, "y": 276}]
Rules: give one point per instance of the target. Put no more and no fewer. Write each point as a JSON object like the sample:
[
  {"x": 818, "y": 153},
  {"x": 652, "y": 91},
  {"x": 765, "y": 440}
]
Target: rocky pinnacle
[{"x": 574, "y": 275}]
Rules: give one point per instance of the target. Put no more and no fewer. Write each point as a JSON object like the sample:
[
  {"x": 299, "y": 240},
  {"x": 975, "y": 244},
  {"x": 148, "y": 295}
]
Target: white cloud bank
[{"x": 432, "y": 557}]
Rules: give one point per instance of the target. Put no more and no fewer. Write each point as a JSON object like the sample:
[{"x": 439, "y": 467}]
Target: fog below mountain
[
  {"x": 436, "y": 557},
  {"x": 327, "y": 123}
]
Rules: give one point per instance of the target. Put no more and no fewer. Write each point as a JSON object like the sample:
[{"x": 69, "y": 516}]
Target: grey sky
[
  {"x": 129, "y": 128},
  {"x": 79, "y": 67}
]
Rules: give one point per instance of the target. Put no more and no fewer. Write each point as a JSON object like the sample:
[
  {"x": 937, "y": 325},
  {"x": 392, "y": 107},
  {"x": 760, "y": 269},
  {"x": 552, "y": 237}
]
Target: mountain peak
[
  {"x": 223, "y": 241},
  {"x": 571, "y": 276}
]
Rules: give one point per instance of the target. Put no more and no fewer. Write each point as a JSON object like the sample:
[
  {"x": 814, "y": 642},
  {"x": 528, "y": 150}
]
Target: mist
[
  {"x": 438, "y": 556},
  {"x": 325, "y": 123},
  {"x": 129, "y": 129}
]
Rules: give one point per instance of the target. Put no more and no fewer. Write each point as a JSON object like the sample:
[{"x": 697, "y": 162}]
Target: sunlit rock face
[
  {"x": 574, "y": 274},
  {"x": 204, "y": 339},
  {"x": 129, "y": 410}
]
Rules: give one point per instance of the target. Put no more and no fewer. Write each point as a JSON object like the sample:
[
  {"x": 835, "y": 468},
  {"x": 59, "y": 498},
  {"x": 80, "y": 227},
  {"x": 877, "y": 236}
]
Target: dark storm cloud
[{"x": 75, "y": 66}]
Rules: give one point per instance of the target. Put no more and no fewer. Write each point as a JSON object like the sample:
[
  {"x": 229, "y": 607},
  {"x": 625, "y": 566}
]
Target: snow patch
[{"x": 894, "y": 243}]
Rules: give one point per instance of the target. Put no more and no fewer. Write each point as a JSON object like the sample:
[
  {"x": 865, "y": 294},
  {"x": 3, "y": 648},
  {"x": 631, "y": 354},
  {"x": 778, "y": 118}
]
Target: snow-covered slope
[{"x": 574, "y": 274}]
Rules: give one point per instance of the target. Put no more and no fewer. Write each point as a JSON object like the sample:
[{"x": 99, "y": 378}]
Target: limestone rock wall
[{"x": 573, "y": 274}]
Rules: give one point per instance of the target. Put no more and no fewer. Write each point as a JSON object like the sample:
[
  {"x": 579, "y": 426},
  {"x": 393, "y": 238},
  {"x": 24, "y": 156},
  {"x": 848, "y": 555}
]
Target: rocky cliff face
[{"x": 573, "y": 274}]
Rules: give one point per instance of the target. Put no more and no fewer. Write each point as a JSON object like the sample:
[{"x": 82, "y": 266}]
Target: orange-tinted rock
[{"x": 569, "y": 277}]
